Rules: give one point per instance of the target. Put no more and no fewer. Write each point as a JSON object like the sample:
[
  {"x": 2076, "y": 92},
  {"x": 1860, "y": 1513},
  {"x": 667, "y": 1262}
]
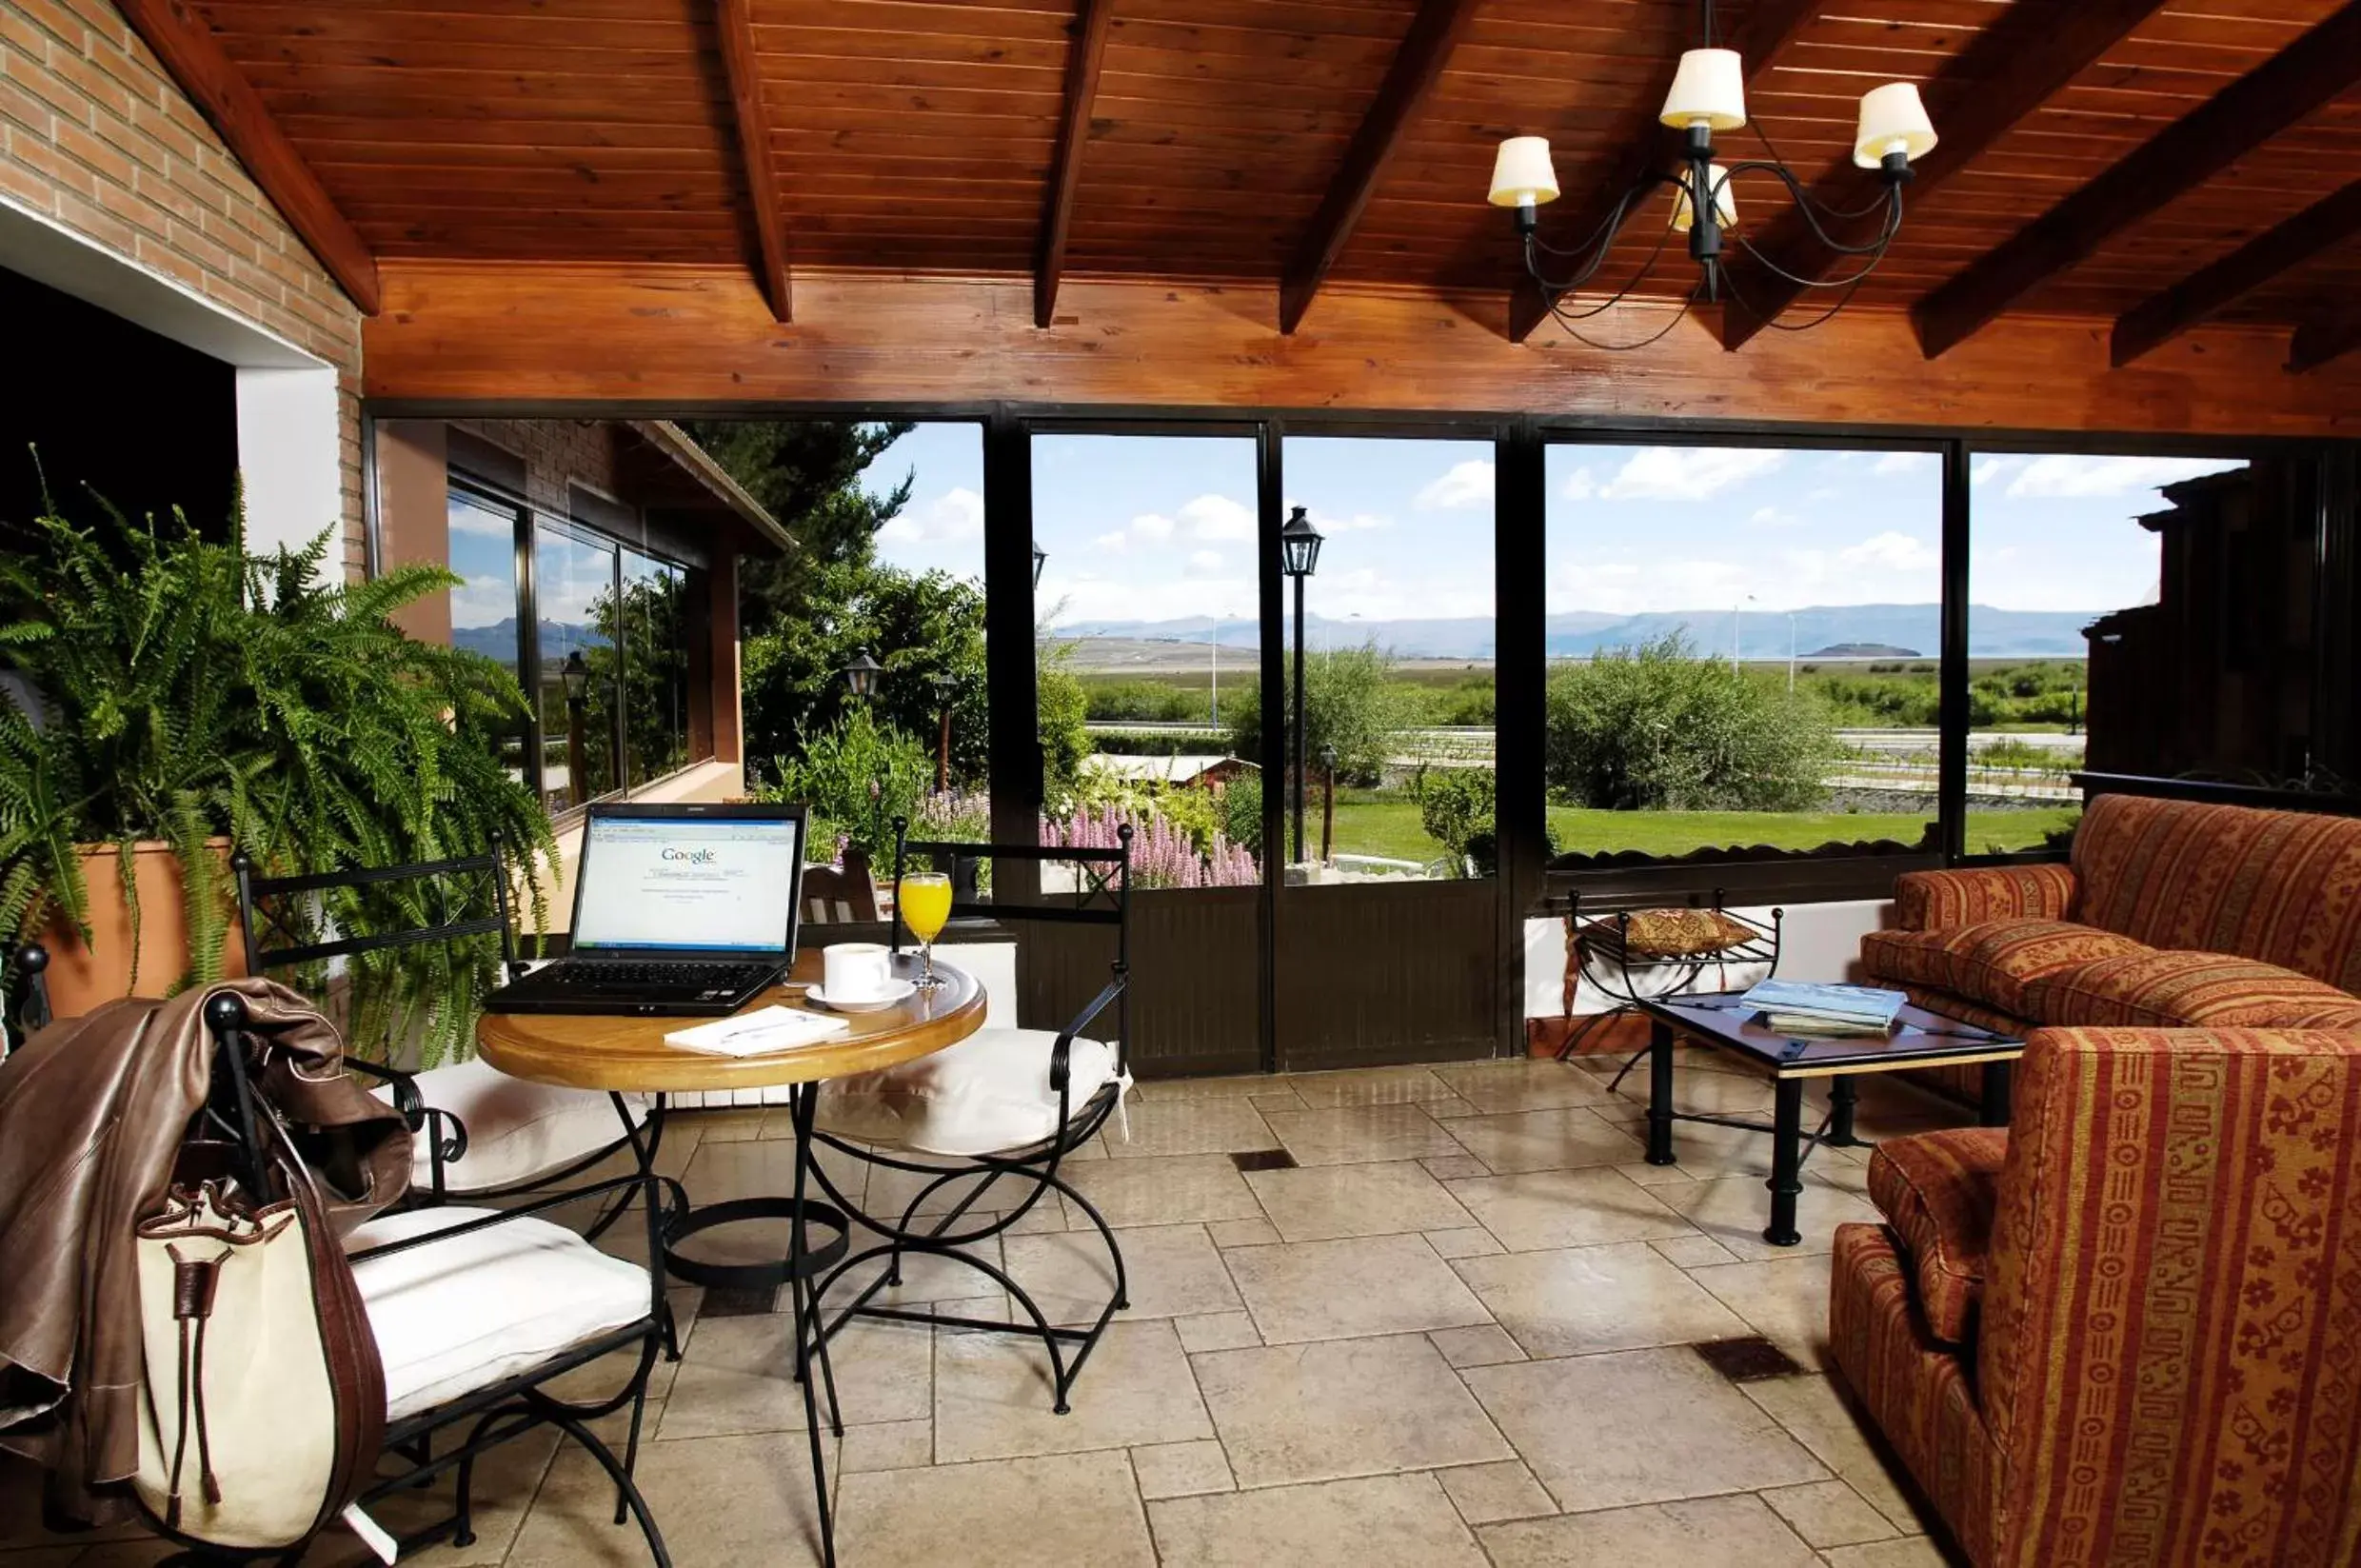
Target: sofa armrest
[{"x": 1938, "y": 900}]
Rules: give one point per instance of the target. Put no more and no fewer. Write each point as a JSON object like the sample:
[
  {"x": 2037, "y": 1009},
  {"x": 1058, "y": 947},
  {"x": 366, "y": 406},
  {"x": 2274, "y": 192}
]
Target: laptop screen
[{"x": 665, "y": 882}]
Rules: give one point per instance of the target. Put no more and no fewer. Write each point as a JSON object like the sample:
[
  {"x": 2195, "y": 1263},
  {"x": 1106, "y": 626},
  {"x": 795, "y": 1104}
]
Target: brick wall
[
  {"x": 96, "y": 136},
  {"x": 557, "y": 452}
]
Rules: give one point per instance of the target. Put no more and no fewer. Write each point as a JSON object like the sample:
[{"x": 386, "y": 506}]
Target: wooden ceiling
[{"x": 2131, "y": 161}]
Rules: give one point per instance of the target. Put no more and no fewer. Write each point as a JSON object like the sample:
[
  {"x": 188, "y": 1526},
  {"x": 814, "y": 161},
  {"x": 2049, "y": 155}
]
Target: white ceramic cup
[{"x": 856, "y": 971}]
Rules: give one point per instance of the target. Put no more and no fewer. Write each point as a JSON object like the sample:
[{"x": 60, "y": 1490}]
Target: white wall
[
  {"x": 289, "y": 460},
  {"x": 1819, "y": 942}
]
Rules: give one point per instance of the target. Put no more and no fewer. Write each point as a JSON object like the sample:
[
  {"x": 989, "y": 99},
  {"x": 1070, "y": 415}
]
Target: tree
[
  {"x": 1353, "y": 706},
  {"x": 1064, "y": 710},
  {"x": 1656, "y": 728}
]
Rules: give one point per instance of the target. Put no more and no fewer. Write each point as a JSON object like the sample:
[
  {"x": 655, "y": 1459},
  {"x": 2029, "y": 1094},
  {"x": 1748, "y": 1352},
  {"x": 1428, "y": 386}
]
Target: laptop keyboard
[{"x": 686, "y": 976}]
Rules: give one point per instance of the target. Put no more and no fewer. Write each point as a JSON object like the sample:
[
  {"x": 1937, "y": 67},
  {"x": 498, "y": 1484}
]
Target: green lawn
[{"x": 1368, "y": 823}]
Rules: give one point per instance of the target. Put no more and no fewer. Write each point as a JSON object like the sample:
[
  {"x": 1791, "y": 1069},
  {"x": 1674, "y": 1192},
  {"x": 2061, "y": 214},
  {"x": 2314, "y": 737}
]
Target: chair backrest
[
  {"x": 2282, "y": 887},
  {"x": 2167, "y": 1358},
  {"x": 840, "y": 897}
]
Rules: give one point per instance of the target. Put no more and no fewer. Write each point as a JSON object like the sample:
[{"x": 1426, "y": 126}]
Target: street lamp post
[
  {"x": 945, "y": 685},
  {"x": 863, "y": 674},
  {"x": 575, "y": 673},
  {"x": 1299, "y": 547},
  {"x": 1791, "y": 653},
  {"x": 1041, "y": 559},
  {"x": 1327, "y": 802}
]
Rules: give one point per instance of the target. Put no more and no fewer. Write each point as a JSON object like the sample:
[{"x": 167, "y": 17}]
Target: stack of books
[{"x": 1805, "y": 1008}]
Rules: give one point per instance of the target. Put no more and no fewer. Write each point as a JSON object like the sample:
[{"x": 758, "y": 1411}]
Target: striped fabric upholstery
[
  {"x": 2163, "y": 990},
  {"x": 2168, "y": 1362},
  {"x": 2282, "y": 887},
  {"x": 1990, "y": 961},
  {"x": 1916, "y": 1389},
  {"x": 1936, "y": 901},
  {"x": 1938, "y": 1190}
]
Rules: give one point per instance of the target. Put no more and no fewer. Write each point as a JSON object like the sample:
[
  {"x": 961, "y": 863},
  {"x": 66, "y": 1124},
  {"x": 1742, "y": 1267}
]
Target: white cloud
[
  {"x": 1891, "y": 551},
  {"x": 1905, "y": 463},
  {"x": 1692, "y": 473},
  {"x": 1328, "y": 523},
  {"x": 1988, "y": 469},
  {"x": 1114, "y": 544},
  {"x": 1217, "y": 517},
  {"x": 1462, "y": 487},
  {"x": 2063, "y": 475},
  {"x": 1579, "y": 485},
  {"x": 1770, "y": 517},
  {"x": 1205, "y": 562},
  {"x": 474, "y": 519},
  {"x": 1152, "y": 526},
  {"x": 958, "y": 513}
]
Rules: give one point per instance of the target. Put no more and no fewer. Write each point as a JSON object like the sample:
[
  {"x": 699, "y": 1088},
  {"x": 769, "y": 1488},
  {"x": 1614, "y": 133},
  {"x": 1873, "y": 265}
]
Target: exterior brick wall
[
  {"x": 557, "y": 453},
  {"x": 96, "y": 136}
]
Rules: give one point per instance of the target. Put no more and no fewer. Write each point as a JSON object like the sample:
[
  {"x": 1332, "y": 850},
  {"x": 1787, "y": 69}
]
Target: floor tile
[
  {"x": 1715, "y": 1094},
  {"x": 1495, "y": 1088},
  {"x": 1321, "y": 1202},
  {"x": 506, "y": 1480},
  {"x": 1693, "y": 1251},
  {"x": 1469, "y": 1242},
  {"x": 1384, "y": 1521},
  {"x": 717, "y": 1499},
  {"x": 1079, "y": 1508},
  {"x": 1454, "y": 1168},
  {"x": 889, "y": 1445},
  {"x": 1181, "y": 1470},
  {"x": 1342, "y": 1407},
  {"x": 925, "y": 1276},
  {"x": 1544, "y": 1141},
  {"x": 1829, "y": 1514},
  {"x": 1190, "y": 1126},
  {"x": 1242, "y": 1233},
  {"x": 1278, "y": 1099},
  {"x": 1784, "y": 1299},
  {"x": 1735, "y": 1209},
  {"x": 1361, "y": 1134},
  {"x": 1217, "y": 1331},
  {"x": 1706, "y": 1532},
  {"x": 1230, "y": 1087},
  {"x": 1566, "y": 1209},
  {"x": 737, "y": 1374},
  {"x": 1638, "y": 1426},
  {"x": 1819, "y": 1416},
  {"x": 993, "y": 1395},
  {"x": 1368, "y": 1086},
  {"x": 1333, "y": 1290},
  {"x": 1486, "y": 1494},
  {"x": 1747, "y": 1358},
  {"x": 1183, "y": 1189},
  {"x": 1480, "y": 1344},
  {"x": 1579, "y": 1299},
  {"x": 1170, "y": 1271},
  {"x": 1913, "y": 1552}
]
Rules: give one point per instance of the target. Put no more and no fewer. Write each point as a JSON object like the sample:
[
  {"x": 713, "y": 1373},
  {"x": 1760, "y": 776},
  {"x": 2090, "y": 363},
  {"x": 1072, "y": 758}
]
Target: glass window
[
  {"x": 484, "y": 606},
  {"x": 1743, "y": 647},
  {"x": 2115, "y": 607},
  {"x": 575, "y": 618},
  {"x": 1148, "y": 647},
  {"x": 655, "y": 667},
  {"x": 1397, "y": 658}
]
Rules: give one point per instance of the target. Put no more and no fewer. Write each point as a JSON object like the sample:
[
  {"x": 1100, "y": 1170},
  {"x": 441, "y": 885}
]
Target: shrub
[
  {"x": 1656, "y": 728},
  {"x": 855, "y": 778},
  {"x": 1455, "y": 805},
  {"x": 1063, "y": 711},
  {"x": 1241, "y": 812},
  {"x": 1350, "y": 704}
]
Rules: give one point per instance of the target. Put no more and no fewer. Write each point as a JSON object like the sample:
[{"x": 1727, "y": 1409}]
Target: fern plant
[{"x": 181, "y": 689}]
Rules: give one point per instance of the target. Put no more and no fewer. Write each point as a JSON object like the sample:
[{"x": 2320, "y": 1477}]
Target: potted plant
[{"x": 171, "y": 696}]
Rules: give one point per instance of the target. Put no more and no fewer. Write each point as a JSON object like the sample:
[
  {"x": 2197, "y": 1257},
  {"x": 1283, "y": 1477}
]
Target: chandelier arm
[
  {"x": 1621, "y": 294},
  {"x": 1891, "y": 201},
  {"x": 1851, "y": 286},
  {"x": 1602, "y": 237},
  {"x": 1680, "y": 311},
  {"x": 1801, "y": 281}
]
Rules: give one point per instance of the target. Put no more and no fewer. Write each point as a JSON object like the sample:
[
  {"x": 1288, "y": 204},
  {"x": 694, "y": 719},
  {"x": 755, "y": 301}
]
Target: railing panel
[{"x": 1381, "y": 972}]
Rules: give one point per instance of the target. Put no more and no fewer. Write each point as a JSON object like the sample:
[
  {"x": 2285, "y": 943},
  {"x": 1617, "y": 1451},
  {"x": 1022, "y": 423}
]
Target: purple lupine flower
[{"x": 1161, "y": 854}]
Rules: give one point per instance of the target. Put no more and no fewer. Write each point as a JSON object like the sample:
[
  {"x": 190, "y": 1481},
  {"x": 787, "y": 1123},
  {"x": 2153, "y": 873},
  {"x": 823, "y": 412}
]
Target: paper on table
[{"x": 759, "y": 1033}]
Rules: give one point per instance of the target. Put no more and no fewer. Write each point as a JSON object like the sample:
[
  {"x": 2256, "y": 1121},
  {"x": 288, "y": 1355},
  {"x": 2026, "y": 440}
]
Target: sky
[{"x": 1153, "y": 527}]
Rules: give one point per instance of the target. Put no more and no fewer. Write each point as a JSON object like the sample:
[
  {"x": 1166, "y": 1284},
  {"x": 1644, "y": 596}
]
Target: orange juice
[{"x": 925, "y": 904}]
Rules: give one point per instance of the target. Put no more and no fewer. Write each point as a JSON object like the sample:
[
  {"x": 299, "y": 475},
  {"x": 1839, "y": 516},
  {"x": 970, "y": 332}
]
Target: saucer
[{"x": 895, "y": 993}]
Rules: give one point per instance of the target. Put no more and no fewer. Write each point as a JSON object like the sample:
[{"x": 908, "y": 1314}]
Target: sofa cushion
[
  {"x": 1939, "y": 1191},
  {"x": 1930, "y": 901},
  {"x": 2282, "y": 887},
  {"x": 1988, "y": 962},
  {"x": 2174, "y": 989}
]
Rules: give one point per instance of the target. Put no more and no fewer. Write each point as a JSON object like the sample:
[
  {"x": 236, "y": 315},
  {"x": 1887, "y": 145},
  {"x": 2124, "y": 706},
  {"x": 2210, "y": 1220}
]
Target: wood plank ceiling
[{"x": 1328, "y": 144}]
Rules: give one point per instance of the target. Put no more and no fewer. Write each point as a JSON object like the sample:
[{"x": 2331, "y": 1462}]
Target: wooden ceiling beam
[
  {"x": 2168, "y": 313},
  {"x": 184, "y": 43},
  {"x": 1435, "y": 31},
  {"x": 750, "y": 121},
  {"x": 2010, "y": 69},
  {"x": 1065, "y": 170},
  {"x": 2326, "y": 337},
  {"x": 1768, "y": 27},
  {"x": 2293, "y": 83}
]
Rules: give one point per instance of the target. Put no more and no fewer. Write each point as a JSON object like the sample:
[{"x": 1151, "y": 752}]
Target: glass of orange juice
[{"x": 925, "y": 900}]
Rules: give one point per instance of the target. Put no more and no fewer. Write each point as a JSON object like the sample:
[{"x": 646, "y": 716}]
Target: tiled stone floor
[{"x": 1460, "y": 1330}]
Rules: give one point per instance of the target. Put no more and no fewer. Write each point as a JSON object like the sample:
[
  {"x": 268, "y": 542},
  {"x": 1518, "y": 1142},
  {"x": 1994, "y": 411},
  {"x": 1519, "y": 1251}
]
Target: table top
[
  {"x": 585, "y": 1051},
  {"x": 1921, "y": 1038}
]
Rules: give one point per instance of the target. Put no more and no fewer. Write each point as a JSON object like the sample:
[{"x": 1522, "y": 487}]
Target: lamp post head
[
  {"x": 946, "y": 685},
  {"x": 575, "y": 672},
  {"x": 1328, "y": 762},
  {"x": 1041, "y": 559},
  {"x": 863, "y": 674},
  {"x": 1299, "y": 545}
]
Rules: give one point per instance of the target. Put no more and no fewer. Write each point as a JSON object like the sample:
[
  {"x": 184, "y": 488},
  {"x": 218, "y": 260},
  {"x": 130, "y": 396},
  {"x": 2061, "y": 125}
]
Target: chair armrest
[
  {"x": 406, "y": 1096},
  {"x": 446, "y": 1134},
  {"x": 1940, "y": 900},
  {"x": 1061, "y": 1054}
]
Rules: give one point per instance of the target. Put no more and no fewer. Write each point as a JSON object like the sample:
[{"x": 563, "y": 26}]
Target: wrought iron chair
[
  {"x": 475, "y": 1311},
  {"x": 483, "y": 1134},
  {"x": 846, "y": 897},
  {"x": 1066, "y": 1079},
  {"x": 1614, "y": 950}
]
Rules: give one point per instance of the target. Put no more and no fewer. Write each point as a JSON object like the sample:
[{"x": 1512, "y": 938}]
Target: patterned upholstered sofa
[
  {"x": 2170, "y": 913},
  {"x": 2127, "y": 1330}
]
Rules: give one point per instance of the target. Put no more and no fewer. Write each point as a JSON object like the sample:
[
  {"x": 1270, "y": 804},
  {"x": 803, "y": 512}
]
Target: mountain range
[{"x": 1762, "y": 634}]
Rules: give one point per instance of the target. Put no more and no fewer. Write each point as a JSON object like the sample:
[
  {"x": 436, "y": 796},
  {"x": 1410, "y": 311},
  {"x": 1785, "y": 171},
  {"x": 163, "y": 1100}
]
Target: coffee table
[{"x": 1722, "y": 1022}]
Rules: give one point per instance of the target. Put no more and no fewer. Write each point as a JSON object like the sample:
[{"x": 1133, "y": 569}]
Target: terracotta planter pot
[{"x": 81, "y": 976}]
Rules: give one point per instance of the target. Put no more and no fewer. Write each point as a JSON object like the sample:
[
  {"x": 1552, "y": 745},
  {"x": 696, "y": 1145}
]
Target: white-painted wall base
[{"x": 1818, "y": 942}]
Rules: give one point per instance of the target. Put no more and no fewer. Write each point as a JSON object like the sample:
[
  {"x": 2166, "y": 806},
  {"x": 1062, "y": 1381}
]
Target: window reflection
[{"x": 575, "y": 593}]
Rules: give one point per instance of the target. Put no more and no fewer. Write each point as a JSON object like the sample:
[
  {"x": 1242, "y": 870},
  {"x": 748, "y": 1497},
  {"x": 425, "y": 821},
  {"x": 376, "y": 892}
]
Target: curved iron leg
[
  {"x": 636, "y": 1505},
  {"x": 805, "y": 1314},
  {"x": 1659, "y": 1093},
  {"x": 644, "y": 1153}
]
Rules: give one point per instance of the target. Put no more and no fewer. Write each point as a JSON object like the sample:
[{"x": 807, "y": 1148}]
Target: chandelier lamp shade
[{"x": 1708, "y": 98}]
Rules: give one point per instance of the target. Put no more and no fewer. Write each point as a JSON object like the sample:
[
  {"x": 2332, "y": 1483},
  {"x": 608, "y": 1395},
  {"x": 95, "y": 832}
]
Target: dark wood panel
[
  {"x": 1386, "y": 972},
  {"x": 1195, "y": 966}
]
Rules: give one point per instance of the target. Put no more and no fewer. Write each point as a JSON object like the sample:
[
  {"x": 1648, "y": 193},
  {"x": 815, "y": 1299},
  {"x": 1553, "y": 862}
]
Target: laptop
[{"x": 680, "y": 912}]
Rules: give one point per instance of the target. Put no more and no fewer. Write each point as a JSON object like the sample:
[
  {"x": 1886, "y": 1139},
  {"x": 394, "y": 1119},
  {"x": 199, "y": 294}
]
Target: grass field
[{"x": 1368, "y": 824}]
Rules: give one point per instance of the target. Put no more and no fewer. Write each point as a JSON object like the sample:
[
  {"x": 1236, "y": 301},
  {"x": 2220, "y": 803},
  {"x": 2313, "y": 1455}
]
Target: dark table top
[{"x": 1919, "y": 1038}]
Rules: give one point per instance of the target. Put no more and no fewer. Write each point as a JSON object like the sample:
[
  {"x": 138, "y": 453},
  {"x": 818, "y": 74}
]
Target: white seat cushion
[
  {"x": 461, "y": 1315},
  {"x": 986, "y": 1094},
  {"x": 517, "y": 1129}
]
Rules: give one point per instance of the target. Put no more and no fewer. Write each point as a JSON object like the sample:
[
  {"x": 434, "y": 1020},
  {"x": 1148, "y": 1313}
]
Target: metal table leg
[
  {"x": 1842, "y": 1099},
  {"x": 1786, "y": 1161},
  {"x": 1659, "y": 1093}
]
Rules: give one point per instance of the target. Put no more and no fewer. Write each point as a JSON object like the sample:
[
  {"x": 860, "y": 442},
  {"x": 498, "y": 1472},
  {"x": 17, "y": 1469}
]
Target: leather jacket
[{"x": 95, "y": 1116}]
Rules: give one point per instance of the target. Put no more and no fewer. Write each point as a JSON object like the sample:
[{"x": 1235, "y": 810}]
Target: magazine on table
[{"x": 1811, "y": 1007}]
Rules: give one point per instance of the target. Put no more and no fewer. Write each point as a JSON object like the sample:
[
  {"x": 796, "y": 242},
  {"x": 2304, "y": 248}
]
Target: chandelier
[{"x": 1708, "y": 95}]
